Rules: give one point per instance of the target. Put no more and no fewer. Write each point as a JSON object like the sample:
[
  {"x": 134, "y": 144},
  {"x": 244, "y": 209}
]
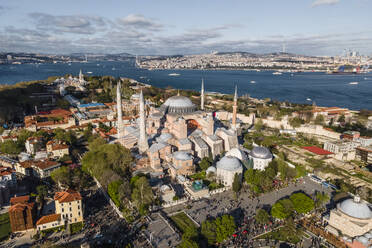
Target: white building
[
  {"x": 227, "y": 167},
  {"x": 260, "y": 157}
]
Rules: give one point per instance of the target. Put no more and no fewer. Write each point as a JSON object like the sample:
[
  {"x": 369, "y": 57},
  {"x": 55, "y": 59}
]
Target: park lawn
[
  {"x": 5, "y": 229},
  {"x": 183, "y": 222},
  {"x": 282, "y": 235}
]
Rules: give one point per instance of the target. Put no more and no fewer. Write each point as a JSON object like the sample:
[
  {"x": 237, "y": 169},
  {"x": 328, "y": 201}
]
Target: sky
[{"x": 168, "y": 27}]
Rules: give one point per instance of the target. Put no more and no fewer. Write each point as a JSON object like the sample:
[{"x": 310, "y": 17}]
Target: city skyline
[{"x": 318, "y": 27}]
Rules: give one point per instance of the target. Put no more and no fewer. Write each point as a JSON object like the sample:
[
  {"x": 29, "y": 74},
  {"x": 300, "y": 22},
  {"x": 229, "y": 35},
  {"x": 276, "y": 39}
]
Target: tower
[
  {"x": 119, "y": 112},
  {"x": 202, "y": 95},
  {"x": 235, "y": 106},
  {"x": 143, "y": 145},
  {"x": 81, "y": 77}
]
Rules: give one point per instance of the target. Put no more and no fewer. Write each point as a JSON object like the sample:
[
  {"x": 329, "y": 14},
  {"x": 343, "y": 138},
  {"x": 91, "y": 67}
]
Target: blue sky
[{"x": 311, "y": 27}]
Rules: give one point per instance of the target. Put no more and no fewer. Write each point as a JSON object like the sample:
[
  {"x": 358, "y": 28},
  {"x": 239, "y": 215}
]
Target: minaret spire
[
  {"x": 235, "y": 106},
  {"x": 119, "y": 112},
  {"x": 143, "y": 145},
  {"x": 202, "y": 95},
  {"x": 81, "y": 77}
]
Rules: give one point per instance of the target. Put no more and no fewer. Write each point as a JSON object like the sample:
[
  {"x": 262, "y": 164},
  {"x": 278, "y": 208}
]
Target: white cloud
[
  {"x": 139, "y": 21},
  {"x": 324, "y": 2}
]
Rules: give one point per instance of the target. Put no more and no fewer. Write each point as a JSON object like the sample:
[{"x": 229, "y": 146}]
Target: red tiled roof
[
  {"x": 48, "y": 218},
  {"x": 317, "y": 150},
  {"x": 45, "y": 164},
  {"x": 67, "y": 196},
  {"x": 19, "y": 199}
]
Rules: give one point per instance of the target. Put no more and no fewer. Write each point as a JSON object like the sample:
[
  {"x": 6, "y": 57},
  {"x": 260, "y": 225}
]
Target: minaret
[
  {"x": 202, "y": 95},
  {"x": 235, "y": 106},
  {"x": 81, "y": 77},
  {"x": 143, "y": 145},
  {"x": 119, "y": 112}
]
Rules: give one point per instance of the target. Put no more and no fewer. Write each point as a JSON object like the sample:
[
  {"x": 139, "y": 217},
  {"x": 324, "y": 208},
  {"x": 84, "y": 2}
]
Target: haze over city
[{"x": 186, "y": 27}]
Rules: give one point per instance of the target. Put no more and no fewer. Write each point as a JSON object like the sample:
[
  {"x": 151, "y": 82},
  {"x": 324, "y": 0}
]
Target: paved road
[{"x": 225, "y": 202}]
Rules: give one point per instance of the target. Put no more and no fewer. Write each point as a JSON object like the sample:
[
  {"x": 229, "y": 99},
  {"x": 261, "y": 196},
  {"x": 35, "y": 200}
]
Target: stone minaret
[
  {"x": 235, "y": 106},
  {"x": 202, "y": 95},
  {"x": 81, "y": 77},
  {"x": 143, "y": 145},
  {"x": 119, "y": 112}
]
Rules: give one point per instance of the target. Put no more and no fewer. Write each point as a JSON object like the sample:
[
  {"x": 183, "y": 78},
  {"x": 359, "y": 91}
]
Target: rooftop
[
  {"x": 48, "y": 218},
  {"x": 317, "y": 150},
  {"x": 67, "y": 196}
]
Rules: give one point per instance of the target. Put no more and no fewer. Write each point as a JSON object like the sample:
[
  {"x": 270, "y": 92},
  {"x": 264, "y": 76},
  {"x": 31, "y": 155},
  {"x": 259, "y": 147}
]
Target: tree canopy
[
  {"x": 302, "y": 203},
  {"x": 282, "y": 209}
]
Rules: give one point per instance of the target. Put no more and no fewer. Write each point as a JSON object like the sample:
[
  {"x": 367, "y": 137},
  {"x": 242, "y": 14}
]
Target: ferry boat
[
  {"x": 353, "y": 83},
  {"x": 173, "y": 74},
  {"x": 277, "y": 73}
]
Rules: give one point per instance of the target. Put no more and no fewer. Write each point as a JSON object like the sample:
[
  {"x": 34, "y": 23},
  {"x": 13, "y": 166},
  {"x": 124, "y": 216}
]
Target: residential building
[
  {"x": 43, "y": 168},
  {"x": 49, "y": 221},
  {"x": 22, "y": 213},
  {"x": 69, "y": 205},
  {"x": 364, "y": 154},
  {"x": 33, "y": 145},
  {"x": 57, "y": 149},
  {"x": 343, "y": 149}
]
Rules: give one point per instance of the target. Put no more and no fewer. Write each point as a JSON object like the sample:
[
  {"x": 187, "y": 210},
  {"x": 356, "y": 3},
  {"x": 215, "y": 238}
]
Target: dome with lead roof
[
  {"x": 355, "y": 208},
  {"x": 178, "y": 105},
  {"x": 229, "y": 163},
  {"x": 261, "y": 152}
]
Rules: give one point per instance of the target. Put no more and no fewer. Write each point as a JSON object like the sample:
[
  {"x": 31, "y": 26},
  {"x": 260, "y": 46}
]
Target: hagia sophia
[{"x": 177, "y": 134}]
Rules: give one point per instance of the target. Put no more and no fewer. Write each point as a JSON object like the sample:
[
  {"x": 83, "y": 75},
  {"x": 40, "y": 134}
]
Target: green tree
[
  {"x": 188, "y": 243},
  {"x": 42, "y": 192},
  {"x": 341, "y": 119},
  {"x": 258, "y": 125},
  {"x": 62, "y": 176},
  {"x": 319, "y": 120},
  {"x": 113, "y": 191},
  {"x": 225, "y": 227},
  {"x": 237, "y": 184},
  {"x": 208, "y": 230},
  {"x": 295, "y": 122},
  {"x": 142, "y": 194},
  {"x": 320, "y": 199},
  {"x": 302, "y": 203},
  {"x": 204, "y": 163},
  {"x": 282, "y": 209},
  {"x": 262, "y": 216},
  {"x": 10, "y": 147}
]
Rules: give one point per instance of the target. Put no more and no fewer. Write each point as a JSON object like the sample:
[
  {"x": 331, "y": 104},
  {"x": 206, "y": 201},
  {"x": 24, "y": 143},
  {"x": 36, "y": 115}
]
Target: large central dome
[{"x": 178, "y": 105}]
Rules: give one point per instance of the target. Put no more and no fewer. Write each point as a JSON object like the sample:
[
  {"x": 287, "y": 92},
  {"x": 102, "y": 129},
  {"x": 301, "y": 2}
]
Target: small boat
[
  {"x": 292, "y": 75},
  {"x": 253, "y": 82},
  {"x": 277, "y": 73},
  {"x": 113, "y": 68},
  {"x": 173, "y": 74},
  {"x": 142, "y": 77},
  {"x": 353, "y": 83},
  {"x": 89, "y": 72},
  {"x": 308, "y": 99},
  {"x": 97, "y": 64}
]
